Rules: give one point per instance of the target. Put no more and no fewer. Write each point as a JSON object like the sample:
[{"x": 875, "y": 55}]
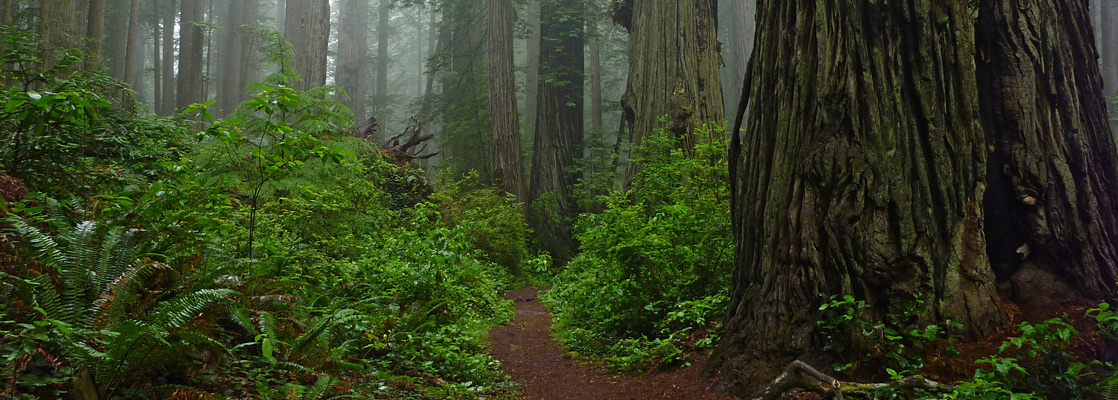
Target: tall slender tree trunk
[
  {"x": 353, "y": 54},
  {"x": 918, "y": 149},
  {"x": 131, "y": 44},
  {"x": 191, "y": 52},
  {"x": 559, "y": 125},
  {"x": 7, "y": 15},
  {"x": 432, "y": 48},
  {"x": 596, "y": 114},
  {"x": 169, "y": 79},
  {"x": 307, "y": 27},
  {"x": 1109, "y": 49},
  {"x": 673, "y": 72},
  {"x": 95, "y": 32},
  {"x": 532, "y": 75},
  {"x": 504, "y": 118},
  {"x": 157, "y": 60},
  {"x": 383, "y": 26}
]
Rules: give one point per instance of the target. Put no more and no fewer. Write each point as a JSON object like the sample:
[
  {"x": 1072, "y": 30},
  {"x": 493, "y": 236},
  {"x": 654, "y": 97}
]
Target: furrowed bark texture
[
  {"x": 307, "y": 27},
  {"x": 860, "y": 172},
  {"x": 674, "y": 70},
  {"x": 559, "y": 124},
  {"x": 1053, "y": 183},
  {"x": 908, "y": 134},
  {"x": 504, "y": 118}
]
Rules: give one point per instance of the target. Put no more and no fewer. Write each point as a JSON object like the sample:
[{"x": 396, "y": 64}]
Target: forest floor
[{"x": 544, "y": 371}]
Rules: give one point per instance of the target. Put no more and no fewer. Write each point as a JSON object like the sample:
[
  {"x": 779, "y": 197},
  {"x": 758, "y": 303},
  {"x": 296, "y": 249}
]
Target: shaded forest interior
[{"x": 209, "y": 199}]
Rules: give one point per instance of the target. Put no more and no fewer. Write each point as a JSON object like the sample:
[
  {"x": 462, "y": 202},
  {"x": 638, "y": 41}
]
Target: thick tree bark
[
  {"x": 353, "y": 54},
  {"x": 673, "y": 70},
  {"x": 860, "y": 172},
  {"x": 559, "y": 124},
  {"x": 504, "y": 117},
  {"x": 382, "y": 55},
  {"x": 908, "y": 135},
  {"x": 307, "y": 27},
  {"x": 190, "y": 88},
  {"x": 1053, "y": 183},
  {"x": 62, "y": 27}
]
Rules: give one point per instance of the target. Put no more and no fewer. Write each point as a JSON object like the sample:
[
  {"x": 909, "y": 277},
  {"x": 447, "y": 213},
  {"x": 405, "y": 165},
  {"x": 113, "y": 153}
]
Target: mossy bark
[{"x": 883, "y": 143}]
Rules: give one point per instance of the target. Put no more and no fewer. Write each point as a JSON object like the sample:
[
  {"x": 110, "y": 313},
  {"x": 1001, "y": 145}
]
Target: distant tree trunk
[
  {"x": 504, "y": 118},
  {"x": 1096, "y": 22},
  {"x": 559, "y": 125},
  {"x": 307, "y": 27},
  {"x": 382, "y": 55},
  {"x": 209, "y": 34},
  {"x": 169, "y": 79},
  {"x": 1110, "y": 46},
  {"x": 157, "y": 61},
  {"x": 686, "y": 87},
  {"x": 281, "y": 15},
  {"x": 8, "y": 12},
  {"x": 884, "y": 180},
  {"x": 353, "y": 54},
  {"x": 236, "y": 52},
  {"x": 432, "y": 49},
  {"x": 532, "y": 75},
  {"x": 190, "y": 88},
  {"x": 95, "y": 32},
  {"x": 131, "y": 45},
  {"x": 596, "y": 115},
  {"x": 737, "y": 23}
]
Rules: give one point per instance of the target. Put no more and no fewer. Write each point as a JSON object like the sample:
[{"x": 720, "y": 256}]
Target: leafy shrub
[
  {"x": 650, "y": 258},
  {"x": 493, "y": 220}
]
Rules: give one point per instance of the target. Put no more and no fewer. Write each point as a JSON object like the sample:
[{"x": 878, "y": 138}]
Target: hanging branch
[{"x": 800, "y": 375}]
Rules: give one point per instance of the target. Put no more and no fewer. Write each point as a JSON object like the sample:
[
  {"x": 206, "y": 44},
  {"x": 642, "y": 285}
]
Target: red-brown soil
[{"x": 530, "y": 356}]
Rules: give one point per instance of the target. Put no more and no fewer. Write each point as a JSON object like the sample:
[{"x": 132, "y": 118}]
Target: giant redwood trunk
[
  {"x": 559, "y": 124},
  {"x": 674, "y": 69},
  {"x": 882, "y": 144},
  {"x": 504, "y": 119}
]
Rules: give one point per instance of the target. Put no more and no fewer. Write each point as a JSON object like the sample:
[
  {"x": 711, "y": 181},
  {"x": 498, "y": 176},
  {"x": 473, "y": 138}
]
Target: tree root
[{"x": 800, "y": 375}]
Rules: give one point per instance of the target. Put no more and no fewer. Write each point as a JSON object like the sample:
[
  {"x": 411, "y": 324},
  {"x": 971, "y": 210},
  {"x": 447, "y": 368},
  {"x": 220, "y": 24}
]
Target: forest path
[{"x": 530, "y": 356}]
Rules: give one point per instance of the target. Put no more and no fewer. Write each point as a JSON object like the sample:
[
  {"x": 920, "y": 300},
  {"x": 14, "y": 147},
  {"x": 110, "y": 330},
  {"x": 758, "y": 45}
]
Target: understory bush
[
  {"x": 266, "y": 257},
  {"x": 655, "y": 264}
]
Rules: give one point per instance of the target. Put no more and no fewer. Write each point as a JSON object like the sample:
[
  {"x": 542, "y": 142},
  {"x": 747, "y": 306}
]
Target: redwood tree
[
  {"x": 879, "y": 140},
  {"x": 673, "y": 68},
  {"x": 504, "y": 119},
  {"x": 559, "y": 125},
  {"x": 353, "y": 52},
  {"x": 307, "y": 27},
  {"x": 189, "y": 83}
]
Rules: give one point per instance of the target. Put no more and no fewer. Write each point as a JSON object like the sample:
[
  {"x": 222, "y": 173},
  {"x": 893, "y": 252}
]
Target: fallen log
[{"x": 799, "y": 375}]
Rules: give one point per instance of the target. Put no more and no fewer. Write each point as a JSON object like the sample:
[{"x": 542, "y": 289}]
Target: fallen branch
[
  {"x": 417, "y": 138},
  {"x": 800, "y": 375}
]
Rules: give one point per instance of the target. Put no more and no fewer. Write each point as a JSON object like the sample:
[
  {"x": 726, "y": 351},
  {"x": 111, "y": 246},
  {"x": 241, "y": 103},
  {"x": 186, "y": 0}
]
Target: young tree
[
  {"x": 673, "y": 68},
  {"x": 505, "y": 120},
  {"x": 871, "y": 168},
  {"x": 353, "y": 54},
  {"x": 559, "y": 126},
  {"x": 307, "y": 27},
  {"x": 190, "y": 84}
]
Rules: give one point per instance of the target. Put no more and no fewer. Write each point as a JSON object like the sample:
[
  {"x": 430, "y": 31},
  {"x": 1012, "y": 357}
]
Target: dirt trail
[{"x": 529, "y": 355}]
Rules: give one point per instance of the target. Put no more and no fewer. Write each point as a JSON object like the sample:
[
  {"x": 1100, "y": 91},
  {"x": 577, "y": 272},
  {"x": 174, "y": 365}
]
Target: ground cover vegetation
[{"x": 270, "y": 255}]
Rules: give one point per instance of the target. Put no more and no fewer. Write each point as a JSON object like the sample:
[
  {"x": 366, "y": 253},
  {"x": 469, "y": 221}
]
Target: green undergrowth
[
  {"x": 654, "y": 265},
  {"x": 268, "y": 256}
]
